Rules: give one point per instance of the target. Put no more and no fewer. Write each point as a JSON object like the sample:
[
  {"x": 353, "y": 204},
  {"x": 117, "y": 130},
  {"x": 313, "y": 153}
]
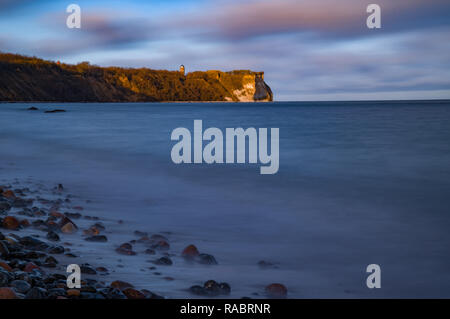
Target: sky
[{"x": 308, "y": 49}]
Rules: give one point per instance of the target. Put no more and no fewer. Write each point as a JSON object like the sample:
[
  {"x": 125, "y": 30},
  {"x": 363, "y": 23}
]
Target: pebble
[
  {"x": 206, "y": 259},
  {"x": 11, "y": 223},
  {"x": 20, "y": 286},
  {"x": 52, "y": 236},
  {"x": 121, "y": 285},
  {"x": 7, "y": 293},
  {"x": 132, "y": 293}
]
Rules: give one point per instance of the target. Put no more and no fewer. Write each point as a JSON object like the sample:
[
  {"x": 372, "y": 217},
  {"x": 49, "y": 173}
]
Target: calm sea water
[{"x": 359, "y": 183}]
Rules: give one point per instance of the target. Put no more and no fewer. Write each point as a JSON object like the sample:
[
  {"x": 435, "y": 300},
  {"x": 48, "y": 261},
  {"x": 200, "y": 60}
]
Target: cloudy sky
[{"x": 309, "y": 49}]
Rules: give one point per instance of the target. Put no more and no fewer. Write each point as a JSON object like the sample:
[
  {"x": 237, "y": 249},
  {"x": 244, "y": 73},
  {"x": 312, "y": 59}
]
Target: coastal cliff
[{"x": 31, "y": 79}]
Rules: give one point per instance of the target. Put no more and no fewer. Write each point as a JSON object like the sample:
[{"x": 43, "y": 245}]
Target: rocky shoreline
[{"x": 37, "y": 238}]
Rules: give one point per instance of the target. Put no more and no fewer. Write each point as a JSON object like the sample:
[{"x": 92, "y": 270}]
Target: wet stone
[
  {"x": 20, "y": 286},
  {"x": 52, "y": 236},
  {"x": 97, "y": 238}
]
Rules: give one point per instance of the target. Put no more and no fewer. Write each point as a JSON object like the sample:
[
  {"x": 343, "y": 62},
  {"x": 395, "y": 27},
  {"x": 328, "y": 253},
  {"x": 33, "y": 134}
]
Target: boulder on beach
[{"x": 32, "y": 109}]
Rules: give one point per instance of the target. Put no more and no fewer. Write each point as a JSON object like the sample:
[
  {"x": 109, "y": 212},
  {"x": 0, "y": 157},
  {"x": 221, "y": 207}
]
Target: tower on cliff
[{"x": 182, "y": 69}]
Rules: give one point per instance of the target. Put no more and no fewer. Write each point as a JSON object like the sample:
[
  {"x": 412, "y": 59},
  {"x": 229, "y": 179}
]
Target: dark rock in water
[
  {"x": 55, "y": 111},
  {"x": 4, "y": 207},
  {"x": 32, "y": 109},
  {"x": 73, "y": 215},
  {"x": 32, "y": 254},
  {"x": 265, "y": 264},
  {"x": 206, "y": 259},
  {"x": 150, "y": 295},
  {"x": 5, "y": 266},
  {"x": 88, "y": 289},
  {"x": 91, "y": 231},
  {"x": 36, "y": 293},
  {"x": 197, "y": 290},
  {"x": 33, "y": 242},
  {"x": 126, "y": 249},
  {"x": 158, "y": 237},
  {"x": 4, "y": 251},
  {"x": 20, "y": 286},
  {"x": 67, "y": 226},
  {"x": 165, "y": 261},
  {"x": 29, "y": 267},
  {"x": 52, "y": 236},
  {"x": 161, "y": 245},
  {"x": 211, "y": 289},
  {"x": 55, "y": 292},
  {"x": 150, "y": 252},
  {"x": 101, "y": 269},
  {"x": 225, "y": 288},
  {"x": 121, "y": 285},
  {"x": 4, "y": 278},
  {"x": 90, "y": 295},
  {"x": 190, "y": 252},
  {"x": 133, "y": 294},
  {"x": 99, "y": 226},
  {"x": 87, "y": 269},
  {"x": 126, "y": 246},
  {"x": 140, "y": 233},
  {"x": 8, "y": 194},
  {"x": 7, "y": 293},
  {"x": 10, "y": 222},
  {"x": 56, "y": 250},
  {"x": 97, "y": 238},
  {"x": 21, "y": 203},
  {"x": 51, "y": 259},
  {"x": 113, "y": 293},
  {"x": 276, "y": 291}
]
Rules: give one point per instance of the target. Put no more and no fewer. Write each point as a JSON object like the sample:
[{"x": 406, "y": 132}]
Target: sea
[{"x": 359, "y": 183}]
